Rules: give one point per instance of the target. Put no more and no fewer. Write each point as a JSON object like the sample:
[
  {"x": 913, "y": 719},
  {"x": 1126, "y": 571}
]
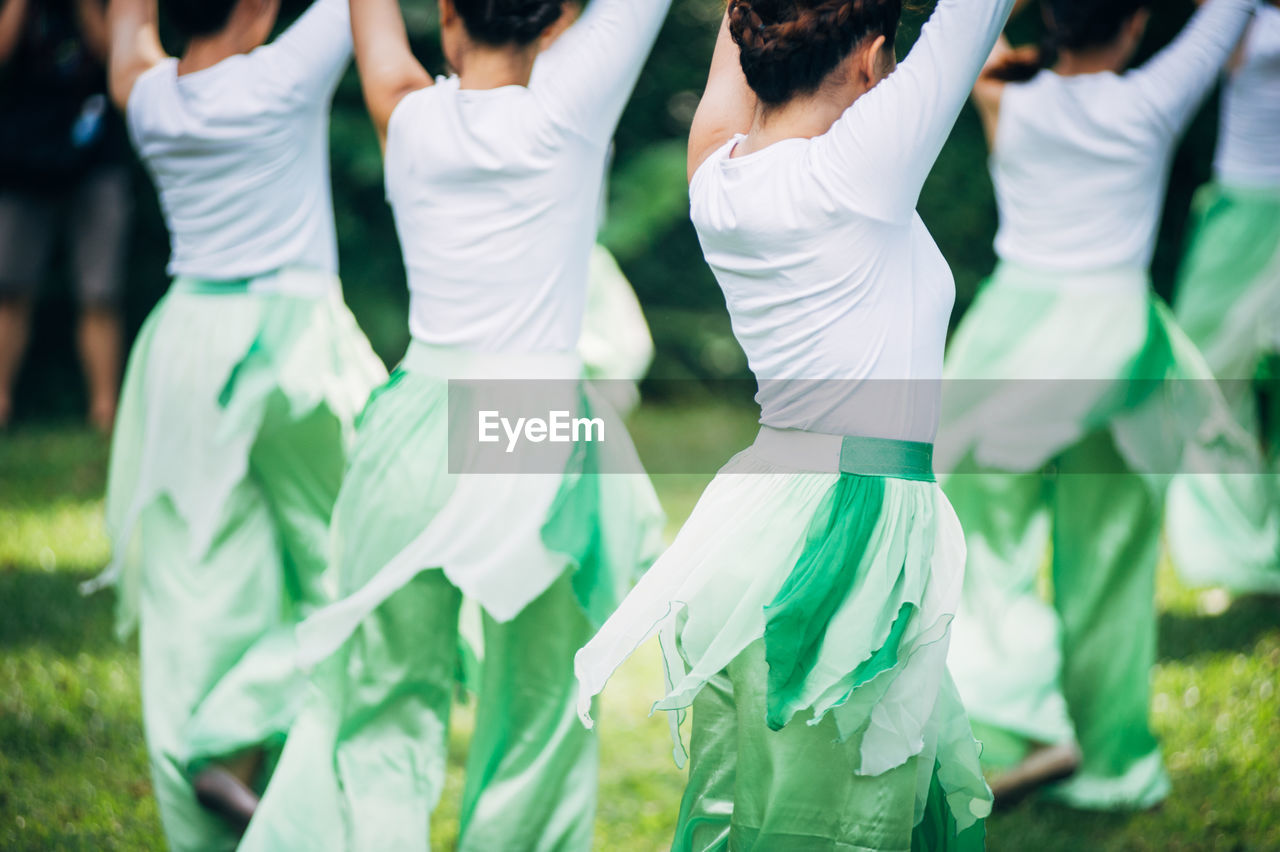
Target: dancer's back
[
  {"x": 496, "y": 191},
  {"x": 828, "y": 271},
  {"x": 1080, "y": 162},
  {"x": 1248, "y": 145},
  {"x": 240, "y": 151}
]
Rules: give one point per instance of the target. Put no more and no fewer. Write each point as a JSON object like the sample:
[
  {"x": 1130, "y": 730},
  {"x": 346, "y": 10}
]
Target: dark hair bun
[
  {"x": 1070, "y": 25},
  {"x": 788, "y": 47},
  {"x": 502, "y": 22}
]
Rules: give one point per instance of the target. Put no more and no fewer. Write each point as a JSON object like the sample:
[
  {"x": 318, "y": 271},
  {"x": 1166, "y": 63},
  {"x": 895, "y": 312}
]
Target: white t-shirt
[
  {"x": 1080, "y": 163},
  {"x": 496, "y": 192},
  {"x": 1249, "y": 138},
  {"x": 837, "y": 293},
  {"x": 239, "y": 151}
]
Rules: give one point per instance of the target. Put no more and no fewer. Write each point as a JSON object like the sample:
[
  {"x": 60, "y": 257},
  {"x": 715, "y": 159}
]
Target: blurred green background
[{"x": 647, "y": 228}]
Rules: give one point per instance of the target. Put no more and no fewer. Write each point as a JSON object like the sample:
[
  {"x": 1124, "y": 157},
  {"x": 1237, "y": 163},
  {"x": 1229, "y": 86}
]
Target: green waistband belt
[
  {"x": 801, "y": 450},
  {"x": 887, "y": 457}
]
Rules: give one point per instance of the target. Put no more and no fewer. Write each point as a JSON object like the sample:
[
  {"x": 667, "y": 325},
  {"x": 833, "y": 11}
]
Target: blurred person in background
[
  {"x": 1068, "y": 361},
  {"x": 63, "y": 171},
  {"x": 1223, "y": 530}
]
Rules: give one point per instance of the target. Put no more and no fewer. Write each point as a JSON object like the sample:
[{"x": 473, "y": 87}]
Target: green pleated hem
[
  {"x": 395, "y": 517},
  {"x": 207, "y": 370},
  {"x": 850, "y": 580},
  {"x": 1044, "y": 359}
]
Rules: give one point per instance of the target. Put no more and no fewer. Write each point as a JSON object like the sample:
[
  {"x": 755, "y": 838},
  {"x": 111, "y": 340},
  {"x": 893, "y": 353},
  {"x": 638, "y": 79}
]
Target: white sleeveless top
[
  {"x": 1080, "y": 163},
  {"x": 1249, "y": 137},
  {"x": 836, "y": 291},
  {"x": 496, "y": 192},
  {"x": 239, "y": 152}
]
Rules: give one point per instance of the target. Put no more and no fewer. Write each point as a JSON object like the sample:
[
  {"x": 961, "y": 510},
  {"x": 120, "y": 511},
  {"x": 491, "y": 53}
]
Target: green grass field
[{"x": 73, "y": 769}]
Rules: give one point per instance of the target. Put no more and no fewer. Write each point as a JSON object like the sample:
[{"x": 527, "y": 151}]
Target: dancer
[
  {"x": 494, "y": 179},
  {"x": 1222, "y": 529},
  {"x": 804, "y": 607},
  {"x": 241, "y": 390},
  {"x": 1074, "y": 354}
]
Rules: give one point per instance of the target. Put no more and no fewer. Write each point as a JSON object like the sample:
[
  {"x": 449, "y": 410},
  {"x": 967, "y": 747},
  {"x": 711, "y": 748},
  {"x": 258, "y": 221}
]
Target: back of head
[
  {"x": 1075, "y": 25},
  {"x": 788, "y": 47},
  {"x": 199, "y": 18},
  {"x": 507, "y": 22}
]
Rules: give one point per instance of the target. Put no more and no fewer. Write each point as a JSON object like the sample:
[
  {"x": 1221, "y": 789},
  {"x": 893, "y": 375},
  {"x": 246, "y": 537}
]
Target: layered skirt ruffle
[
  {"x": 213, "y": 363},
  {"x": 503, "y": 538},
  {"x": 851, "y": 582},
  {"x": 1044, "y": 359}
]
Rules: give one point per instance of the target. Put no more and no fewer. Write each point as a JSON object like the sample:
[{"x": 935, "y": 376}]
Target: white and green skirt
[
  {"x": 844, "y": 559},
  {"x": 1225, "y": 530},
  {"x": 237, "y": 413},
  {"x": 1045, "y": 359},
  {"x": 502, "y": 537}
]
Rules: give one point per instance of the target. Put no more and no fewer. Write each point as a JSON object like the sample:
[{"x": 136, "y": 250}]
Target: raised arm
[
  {"x": 92, "y": 18},
  {"x": 884, "y": 146},
  {"x": 586, "y": 77},
  {"x": 310, "y": 56},
  {"x": 989, "y": 88},
  {"x": 13, "y": 15},
  {"x": 1175, "y": 81},
  {"x": 727, "y": 104},
  {"x": 388, "y": 68},
  {"x": 135, "y": 45}
]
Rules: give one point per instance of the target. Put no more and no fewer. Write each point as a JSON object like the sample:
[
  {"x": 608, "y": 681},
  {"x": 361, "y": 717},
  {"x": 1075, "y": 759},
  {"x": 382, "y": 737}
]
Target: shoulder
[{"x": 153, "y": 88}]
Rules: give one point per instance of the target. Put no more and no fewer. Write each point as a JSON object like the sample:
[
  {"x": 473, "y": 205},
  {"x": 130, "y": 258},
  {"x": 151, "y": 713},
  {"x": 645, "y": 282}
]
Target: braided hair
[
  {"x": 502, "y": 22},
  {"x": 1070, "y": 25},
  {"x": 788, "y": 47}
]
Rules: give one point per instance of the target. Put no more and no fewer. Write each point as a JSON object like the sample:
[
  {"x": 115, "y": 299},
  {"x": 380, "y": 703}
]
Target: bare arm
[
  {"x": 728, "y": 105},
  {"x": 388, "y": 68},
  {"x": 13, "y": 14},
  {"x": 135, "y": 45},
  {"x": 92, "y": 17},
  {"x": 987, "y": 91}
]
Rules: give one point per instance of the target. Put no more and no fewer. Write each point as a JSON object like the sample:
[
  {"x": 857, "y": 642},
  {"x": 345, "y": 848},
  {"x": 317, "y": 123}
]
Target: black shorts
[{"x": 95, "y": 215}]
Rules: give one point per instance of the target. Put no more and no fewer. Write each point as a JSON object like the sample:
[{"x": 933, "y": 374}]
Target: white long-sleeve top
[
  {"x": 239, "y": 151},
  {"x": 1080, "y": 163},
  {"x": 1249, "y": 137},
  {"x": 495, "y": 192},
  {"x": 837, "y": 293}
]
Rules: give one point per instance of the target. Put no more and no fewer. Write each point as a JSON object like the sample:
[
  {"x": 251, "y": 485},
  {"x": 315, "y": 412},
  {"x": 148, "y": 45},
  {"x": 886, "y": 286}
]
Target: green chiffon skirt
[
  {"x": 1225, "y": 530},
  {"x": 546, "y": 555},
  {"x": 1072, "y": 400},
  {"x": 804, "y": 615},
  {"x": 236, "y": 416}
]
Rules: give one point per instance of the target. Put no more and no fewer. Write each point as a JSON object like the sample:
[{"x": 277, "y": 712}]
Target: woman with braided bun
[
  {"x": 493, "y": 176},
  {"x": 804, "y": 608},
  {"x": 1090, "y": 398}
]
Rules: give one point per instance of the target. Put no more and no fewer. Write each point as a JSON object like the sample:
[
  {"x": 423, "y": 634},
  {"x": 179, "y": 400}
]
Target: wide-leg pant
[
  {"x": 365, "y": 764},
  {"x": 216, "y": 630},
  {"x": 795, "y": 789},
  {"x": 1075, "y": 664}
]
